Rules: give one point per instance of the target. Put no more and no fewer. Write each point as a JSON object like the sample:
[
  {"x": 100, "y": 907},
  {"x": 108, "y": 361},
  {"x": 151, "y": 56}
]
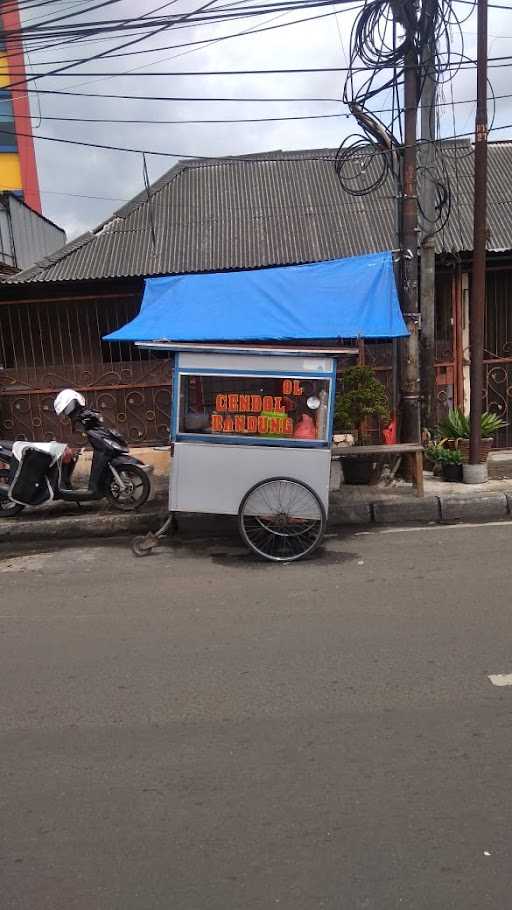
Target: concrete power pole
[
  {"x": 409, "y": 360},
  {"x": 428, "y": 255},
  {"x": 477, "y": 300}
]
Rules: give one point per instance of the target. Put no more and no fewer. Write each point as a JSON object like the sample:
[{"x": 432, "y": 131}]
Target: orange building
[{"x": 18, "y": 170}]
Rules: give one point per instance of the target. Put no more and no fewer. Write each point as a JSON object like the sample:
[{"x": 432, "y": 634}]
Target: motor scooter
[{"x": 33, "y": 473}]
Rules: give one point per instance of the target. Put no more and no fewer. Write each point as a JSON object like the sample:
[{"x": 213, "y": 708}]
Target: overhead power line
[
  {"x": 497, "y": 62},
  {"x": 227, "y": 120},
  {"x": 246, "y": 158},
  {"x": 254, "y": 72},
  {"x": 6, "y": 189},
  {"x": 253, "y": 30},
  {"x": 127, "y": 97},
  {"x": 224, "y": 13},
  {"x": 198, "y": 44},
  {"x": 187, "y": 98},
  {"x": 121, "y": 46},
  {"x": 208, "y": 13}
]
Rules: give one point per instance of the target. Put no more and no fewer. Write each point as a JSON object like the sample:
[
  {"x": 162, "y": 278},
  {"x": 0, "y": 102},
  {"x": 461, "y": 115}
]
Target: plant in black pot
[
  {"x": 361, "y": 397},
  {"x": 451, "y": 466}
]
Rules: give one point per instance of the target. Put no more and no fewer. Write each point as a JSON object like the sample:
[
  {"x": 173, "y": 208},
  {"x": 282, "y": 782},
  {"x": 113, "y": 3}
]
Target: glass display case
[{"x": 255, "y": 408}]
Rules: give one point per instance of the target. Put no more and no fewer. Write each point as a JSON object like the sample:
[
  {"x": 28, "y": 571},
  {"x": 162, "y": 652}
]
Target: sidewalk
[
  {"x": 349, "y": 505},
  {"x": 443, "y": 502}
]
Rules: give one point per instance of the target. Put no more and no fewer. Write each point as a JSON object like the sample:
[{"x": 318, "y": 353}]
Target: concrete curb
[
  {"x": 96, "y": 524},
  {"x": 483, "y": 507},
  {"x": 108, "y": 524},
  {"x": 429, "y": 510},
  {"x": 426, "y": 510}
]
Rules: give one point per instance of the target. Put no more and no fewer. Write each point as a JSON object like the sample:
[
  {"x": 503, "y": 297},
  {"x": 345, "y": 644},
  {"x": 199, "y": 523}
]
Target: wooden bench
[{"x": 412, "y": 451}]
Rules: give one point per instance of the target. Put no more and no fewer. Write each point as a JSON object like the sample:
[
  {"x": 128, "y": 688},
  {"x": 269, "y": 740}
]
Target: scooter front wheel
[
  {"x": 8, "y": 508},
  {"x": 136, "y": 492}
]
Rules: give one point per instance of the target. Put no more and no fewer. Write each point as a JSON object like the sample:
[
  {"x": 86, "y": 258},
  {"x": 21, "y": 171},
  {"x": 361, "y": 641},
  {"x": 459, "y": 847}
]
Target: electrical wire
[
  {"x": 7, "y": 189},
  {"x": 255, "y": 72},
  {"x": 385, "y": 35},
  {"x": 95, "y": 29},
  {"x": 497, "y": 62},
  {"x": 365, "y": 152},
  {"x": 161, "y": 122},
  {"x": 200, "y": 43},
  {"x": 121, "y": 46}
]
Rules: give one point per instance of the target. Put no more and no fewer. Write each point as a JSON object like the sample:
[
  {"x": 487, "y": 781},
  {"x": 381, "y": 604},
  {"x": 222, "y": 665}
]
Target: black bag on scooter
[{"x": 31, "y": 477}]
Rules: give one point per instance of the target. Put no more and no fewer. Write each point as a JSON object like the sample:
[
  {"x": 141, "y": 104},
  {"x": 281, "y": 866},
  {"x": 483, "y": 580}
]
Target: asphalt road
[{"x": 197, "y": 731}]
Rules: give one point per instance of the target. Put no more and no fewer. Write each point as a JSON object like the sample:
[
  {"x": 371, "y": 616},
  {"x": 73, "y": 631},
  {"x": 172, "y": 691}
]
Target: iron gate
[
  {"x": 498, "y": 351},
  {"x": 49, "y": 345}
]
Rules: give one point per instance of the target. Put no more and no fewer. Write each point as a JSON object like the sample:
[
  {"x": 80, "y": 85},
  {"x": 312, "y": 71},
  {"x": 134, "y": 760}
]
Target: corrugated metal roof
[{"x": 274, "y": 209}]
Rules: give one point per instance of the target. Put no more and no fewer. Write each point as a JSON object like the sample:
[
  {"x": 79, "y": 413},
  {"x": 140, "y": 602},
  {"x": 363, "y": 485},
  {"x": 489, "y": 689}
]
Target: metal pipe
[
  {"x": 410, "y": 383},
  {"x": 428, "y": 254},
  {"x": 477, "y": 299}
]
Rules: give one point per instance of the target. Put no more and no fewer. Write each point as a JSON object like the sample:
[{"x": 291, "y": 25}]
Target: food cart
[{"x": 254, "y": 389}]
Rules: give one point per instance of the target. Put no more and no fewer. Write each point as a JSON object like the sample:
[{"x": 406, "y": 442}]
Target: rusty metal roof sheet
[{"x": 271, "y": 209}]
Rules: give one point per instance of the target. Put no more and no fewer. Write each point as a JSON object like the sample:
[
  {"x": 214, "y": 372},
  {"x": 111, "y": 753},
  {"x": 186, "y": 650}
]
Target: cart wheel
[
  {"x": 144, "y": 546},
  {"x": 281, "y": 519}
]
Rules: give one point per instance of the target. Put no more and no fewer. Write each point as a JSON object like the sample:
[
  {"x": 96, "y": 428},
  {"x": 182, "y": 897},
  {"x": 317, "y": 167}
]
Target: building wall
[
  {"x": 18, "y": 171},
  {"x": 34, "y": 237}
]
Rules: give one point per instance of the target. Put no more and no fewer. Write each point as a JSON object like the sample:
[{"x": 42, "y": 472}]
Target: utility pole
[
  {"x": 428, "y": 254},
  {"x": 477, "y": 299},
  {"x": 409, "y": 361}
]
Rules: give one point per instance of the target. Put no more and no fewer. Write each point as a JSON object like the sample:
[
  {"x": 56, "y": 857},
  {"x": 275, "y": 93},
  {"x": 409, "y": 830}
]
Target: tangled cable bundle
[
  {"x": 430, "y": 23},
  {"x": 384, "y": 37}
]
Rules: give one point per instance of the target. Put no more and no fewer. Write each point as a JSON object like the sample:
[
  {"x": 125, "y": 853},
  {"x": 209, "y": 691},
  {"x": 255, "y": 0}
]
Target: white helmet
[{"x": 66, "y": 402}]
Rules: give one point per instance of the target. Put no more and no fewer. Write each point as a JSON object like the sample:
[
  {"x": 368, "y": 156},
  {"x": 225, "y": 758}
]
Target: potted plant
[
  {"x": 456, "y": 429},
  {"x": 362, "y": 397},
  {"x": 451, "y": 466}
]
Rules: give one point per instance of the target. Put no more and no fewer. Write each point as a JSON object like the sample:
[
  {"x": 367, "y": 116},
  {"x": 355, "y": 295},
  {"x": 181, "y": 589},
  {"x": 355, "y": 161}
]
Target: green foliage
[
  {"x": 445, "y": 456},
  {"x": 436, "y": 452},
  {"x": 457, "y": 426},
  {"x": 452, "y": 456},
  {"x": 362, "y": 396}
]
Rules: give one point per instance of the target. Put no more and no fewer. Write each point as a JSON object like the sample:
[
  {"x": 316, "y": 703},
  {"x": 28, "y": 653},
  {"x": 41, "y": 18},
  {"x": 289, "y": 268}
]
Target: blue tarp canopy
[{"x": 342, "y": 298}]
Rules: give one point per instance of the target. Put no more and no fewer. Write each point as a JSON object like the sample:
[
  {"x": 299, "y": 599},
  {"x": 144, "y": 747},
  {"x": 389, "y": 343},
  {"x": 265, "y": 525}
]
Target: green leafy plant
[
  {"x": 439, "y": 453},
  {"x": 436, "y": 452},
  {"x": 362, "y": 396},
  {"x": 451, "y": 456},
  {"x": 457, "y": 425}
]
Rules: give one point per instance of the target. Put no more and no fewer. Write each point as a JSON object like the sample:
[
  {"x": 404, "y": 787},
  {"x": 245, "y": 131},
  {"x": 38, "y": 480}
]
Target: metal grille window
[{"x": 46, "y": 346}]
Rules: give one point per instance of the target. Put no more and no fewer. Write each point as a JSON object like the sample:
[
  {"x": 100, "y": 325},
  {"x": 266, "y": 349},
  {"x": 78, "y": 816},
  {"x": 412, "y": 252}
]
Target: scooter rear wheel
[{"x": 8, "y": 509}]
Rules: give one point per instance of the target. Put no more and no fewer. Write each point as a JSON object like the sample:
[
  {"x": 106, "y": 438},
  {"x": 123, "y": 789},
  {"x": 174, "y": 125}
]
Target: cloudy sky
[{"x": 82, "y": 186}]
